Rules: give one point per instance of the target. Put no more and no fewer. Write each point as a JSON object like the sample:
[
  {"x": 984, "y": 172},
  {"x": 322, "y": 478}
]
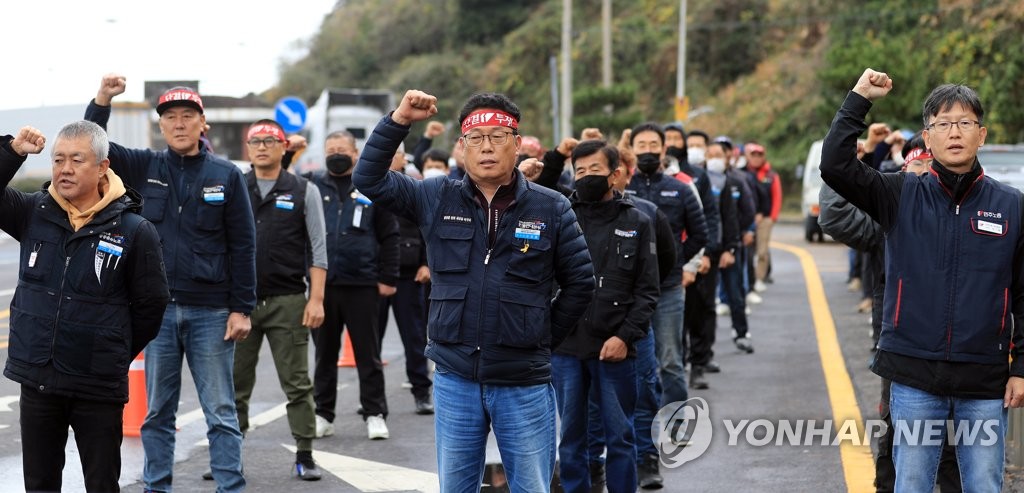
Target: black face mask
[
  {"x": 677, "y": 152},
  {"x": 648, "y": 162},
  {"x": 338, "y": 164},
  {"x": 592, "y": 188}
]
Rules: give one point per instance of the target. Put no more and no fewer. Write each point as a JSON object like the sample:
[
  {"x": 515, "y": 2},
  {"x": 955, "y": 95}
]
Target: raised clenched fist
[
  {"x": 110, "y": 86},
  {"x": 416, "y": 106},
  {"x": 873, "y": 84},
  {"x": 28, "y": 141}
]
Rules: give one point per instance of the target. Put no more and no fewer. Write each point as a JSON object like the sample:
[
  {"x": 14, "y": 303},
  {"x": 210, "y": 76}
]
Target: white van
[{"x": 811, "y": 188}]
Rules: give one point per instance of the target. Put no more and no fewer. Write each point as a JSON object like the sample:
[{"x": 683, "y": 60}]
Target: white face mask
[
  {"x": 716, "y": 165},
  {"x": 433, "y": 172},
  {"x": 694, "y": 155}
]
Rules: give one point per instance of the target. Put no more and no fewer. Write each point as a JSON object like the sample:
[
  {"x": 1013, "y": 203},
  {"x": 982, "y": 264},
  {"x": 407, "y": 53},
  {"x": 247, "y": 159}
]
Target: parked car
[
  {"x": 811, "y": 188},
  {"x": 1004, "y": 163}
]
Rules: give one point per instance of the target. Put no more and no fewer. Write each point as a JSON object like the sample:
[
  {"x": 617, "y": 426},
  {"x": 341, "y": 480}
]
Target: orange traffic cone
[
  {"x": 348, "y": 358},
  {"x": 135, "y": 410}
]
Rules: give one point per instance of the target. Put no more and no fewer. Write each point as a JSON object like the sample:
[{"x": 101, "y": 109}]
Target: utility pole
[
  {"x": 681, "y": 103},
  {"x": 555, "y": 130},
  {"x": 566, "y": 125},
  {"x": 606, "y": 43}
]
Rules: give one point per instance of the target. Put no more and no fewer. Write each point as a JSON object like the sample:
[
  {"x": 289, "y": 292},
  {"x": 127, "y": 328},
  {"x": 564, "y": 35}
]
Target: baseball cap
[
  {"x": 179, "y": 96},
  {"x": 754, "y": 148}
]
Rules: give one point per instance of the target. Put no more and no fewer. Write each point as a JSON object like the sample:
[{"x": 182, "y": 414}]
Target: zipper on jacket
[
  {"x": 952, "y": 291},
  {"x": 60, "y": 303}
]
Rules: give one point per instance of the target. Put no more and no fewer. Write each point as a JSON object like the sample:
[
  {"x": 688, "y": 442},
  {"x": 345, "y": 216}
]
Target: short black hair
[
  {"x": 647, "y": 127},
  {"x": 591, "y": 147},
  {"x": 435, "y": 155},
  {"x": 917, "y": 141},
  {"x": 946, "y": 96},
  {"x": 725, "y": 147},
  {"x": 490, "y": 100},
  {"x": 701, "y": 134}
]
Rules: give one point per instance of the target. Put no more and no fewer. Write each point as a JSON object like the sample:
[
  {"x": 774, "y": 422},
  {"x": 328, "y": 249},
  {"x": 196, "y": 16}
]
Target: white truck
[{"x": 355, "y": 110}]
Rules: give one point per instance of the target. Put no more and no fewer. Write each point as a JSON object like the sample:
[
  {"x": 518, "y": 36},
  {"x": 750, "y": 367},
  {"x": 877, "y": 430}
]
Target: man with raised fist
[
  {"x": 950, "y": 310},
  {"x": 498, "y": 247}
]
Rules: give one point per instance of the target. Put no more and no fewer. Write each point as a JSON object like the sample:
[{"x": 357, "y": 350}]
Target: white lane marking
[
  {"x": 6, "y": 401},
  {"x": 7, "y": 292},
  {"x": 264, "y": 418},
  {"x": 375, "y": 477}
]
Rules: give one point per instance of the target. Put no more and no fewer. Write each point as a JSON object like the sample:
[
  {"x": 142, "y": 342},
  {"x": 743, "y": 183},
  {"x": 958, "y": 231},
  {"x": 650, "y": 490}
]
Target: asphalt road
[{"x": 785, "y": 380}]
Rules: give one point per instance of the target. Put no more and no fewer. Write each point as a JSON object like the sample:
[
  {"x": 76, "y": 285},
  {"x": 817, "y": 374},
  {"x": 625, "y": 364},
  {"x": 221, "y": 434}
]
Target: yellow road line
[
  {"x": 3, "y": 315},
  {"x": 858, "y": 464}
]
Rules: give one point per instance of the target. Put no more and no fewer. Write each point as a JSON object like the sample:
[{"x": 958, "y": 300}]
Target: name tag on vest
[{"x": 993, "y": 228}]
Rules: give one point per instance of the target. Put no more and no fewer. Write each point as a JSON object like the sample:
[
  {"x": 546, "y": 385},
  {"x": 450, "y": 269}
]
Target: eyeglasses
[
  {"x": 267, "y": 141},
  {"x": 477, "y": 140},
  {"x": 963, "y": 125}
]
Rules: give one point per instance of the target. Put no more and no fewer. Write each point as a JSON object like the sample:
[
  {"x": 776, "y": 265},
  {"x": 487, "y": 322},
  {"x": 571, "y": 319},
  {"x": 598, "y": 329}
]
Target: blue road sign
[{"x": 290, "y": 112}]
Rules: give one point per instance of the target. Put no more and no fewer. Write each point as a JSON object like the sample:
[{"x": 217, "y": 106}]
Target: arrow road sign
[{"x": 290, "y": 112}]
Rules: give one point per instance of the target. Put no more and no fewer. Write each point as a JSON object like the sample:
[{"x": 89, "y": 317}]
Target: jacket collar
[{"x": 957, "y": 185}]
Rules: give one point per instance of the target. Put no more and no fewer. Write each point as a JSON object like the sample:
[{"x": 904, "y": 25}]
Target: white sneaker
[
  {"x": 376, "y": 428},
  {"x": 324, "y": 428},
  {"x": 722, "y": 309},
  {"x": 754, "y": 298},
  {"x": 760, "y": 286}
]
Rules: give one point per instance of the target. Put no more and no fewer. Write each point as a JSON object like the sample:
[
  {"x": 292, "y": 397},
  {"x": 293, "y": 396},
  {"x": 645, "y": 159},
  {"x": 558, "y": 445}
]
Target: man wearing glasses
[
  {"x": 199, "y": 205},
  {"x": 951, "y": 311},
  {"x": 497, "y": 248},
  {"x": 289, "y": 225}
]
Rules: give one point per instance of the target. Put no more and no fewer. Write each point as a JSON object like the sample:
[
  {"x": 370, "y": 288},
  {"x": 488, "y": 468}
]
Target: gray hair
[{"x": 95, "y": 133}]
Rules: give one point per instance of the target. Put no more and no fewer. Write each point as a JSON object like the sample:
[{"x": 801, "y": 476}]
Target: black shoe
[
  {"x": 712, "y": 367},
  {"x": 648, "y": 475},
  {"x": 305, "y": 468},
  {"x": 307, "y": 471},
  {"x": 597, "y": 477},
  {"x": 697, "y": 380},
  {"x": 424, "y": 405}
]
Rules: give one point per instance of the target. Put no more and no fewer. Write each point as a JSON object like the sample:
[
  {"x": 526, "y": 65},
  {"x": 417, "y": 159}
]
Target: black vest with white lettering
[{"x": 282, "y": 242}]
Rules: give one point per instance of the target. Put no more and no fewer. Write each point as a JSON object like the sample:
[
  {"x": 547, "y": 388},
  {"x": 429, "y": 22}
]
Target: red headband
[
  {"x": 917, "y": 153},
  {"x": 487, "y": 118},
  {"x": 265, "y": 128}
]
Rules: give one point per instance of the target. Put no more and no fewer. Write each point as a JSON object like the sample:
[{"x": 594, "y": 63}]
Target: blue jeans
[
  {"x": 916, "y": 452},
  {"x": 523, "y": 420},
  {"x": 648, "y": 402},
  {"x": 614, "y": 386},
  {"x": 197, "y": 333},
  {"x": 669, "y": 344}
]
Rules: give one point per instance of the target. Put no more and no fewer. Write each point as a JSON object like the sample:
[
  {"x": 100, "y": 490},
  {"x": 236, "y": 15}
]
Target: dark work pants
[
  {"x": 948, "y": 478},
  {"x": 350, "y": 307},
  {"x": 410, "y": 315},
  {"x": 699, "y": 317},
  {"x": 735, "y": 295},
  {"x": 44, "y": 434}
]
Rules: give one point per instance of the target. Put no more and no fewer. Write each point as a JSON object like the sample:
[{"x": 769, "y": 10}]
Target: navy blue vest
[{"x": 949, "y": 272}]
